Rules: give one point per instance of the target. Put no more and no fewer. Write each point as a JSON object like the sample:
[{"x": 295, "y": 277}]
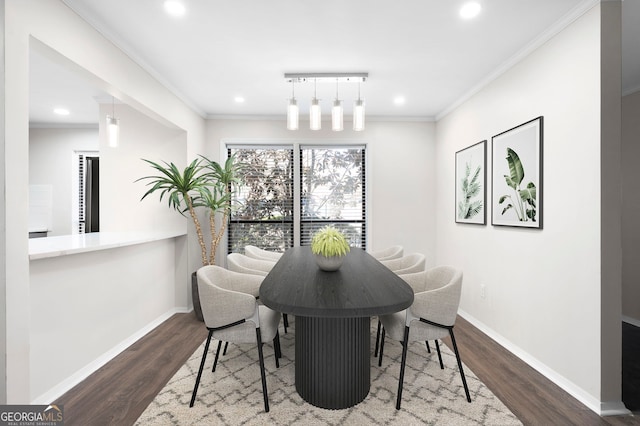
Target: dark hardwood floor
[{"x": 120, "y": 391}]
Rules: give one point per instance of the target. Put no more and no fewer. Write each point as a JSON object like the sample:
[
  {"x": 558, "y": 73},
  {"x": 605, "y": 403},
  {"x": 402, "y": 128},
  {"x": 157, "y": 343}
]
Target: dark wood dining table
[{"x": 332, "y": 320}]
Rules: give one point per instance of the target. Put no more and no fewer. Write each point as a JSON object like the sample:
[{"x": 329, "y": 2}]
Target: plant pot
[
  {"x": 195, "y": 296},
  {"x": 329, "y": 264}
]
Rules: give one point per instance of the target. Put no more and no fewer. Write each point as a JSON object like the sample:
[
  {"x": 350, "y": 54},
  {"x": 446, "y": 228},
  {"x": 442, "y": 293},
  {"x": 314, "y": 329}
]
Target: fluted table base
[{"x": 333, "y": 360}]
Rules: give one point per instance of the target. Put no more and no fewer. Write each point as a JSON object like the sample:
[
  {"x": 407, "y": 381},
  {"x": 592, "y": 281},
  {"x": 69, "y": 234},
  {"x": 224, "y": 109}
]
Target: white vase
[{"x": 329, "y": 264}]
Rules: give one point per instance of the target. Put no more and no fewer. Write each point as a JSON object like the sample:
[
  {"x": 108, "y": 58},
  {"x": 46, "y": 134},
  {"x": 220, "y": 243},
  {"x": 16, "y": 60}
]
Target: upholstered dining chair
[
  {"x": 411, "y": 263},
  {"x": 238, "y": 262},
  {"x": 414, "y": 262},
  {"x": 388, "y": 253},
  {"x": 232, "y": 316},
  {"x": 432, "y": 316},
  {"x": 261, "y": 254}
]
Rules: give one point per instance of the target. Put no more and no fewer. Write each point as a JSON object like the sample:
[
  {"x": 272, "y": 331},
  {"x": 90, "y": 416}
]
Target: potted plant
[
  {"x": 202, "y": 184},
  {"x": 330, "y": 247}
]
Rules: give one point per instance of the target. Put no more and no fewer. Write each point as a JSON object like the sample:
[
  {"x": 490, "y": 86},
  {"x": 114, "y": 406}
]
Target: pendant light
[
  {"x": 292, "y": 110},
  {"x": 337, "y": 123},
  {"x": 315, "y": 113},
  {"x": 337, "y": 109},
  {"x": 358, "y": 113},
  {"x": 113, "y": 126}
]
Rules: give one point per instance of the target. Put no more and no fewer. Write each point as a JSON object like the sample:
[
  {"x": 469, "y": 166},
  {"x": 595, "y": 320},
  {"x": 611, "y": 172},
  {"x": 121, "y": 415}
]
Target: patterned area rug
[{"x": 233, "y": 394}]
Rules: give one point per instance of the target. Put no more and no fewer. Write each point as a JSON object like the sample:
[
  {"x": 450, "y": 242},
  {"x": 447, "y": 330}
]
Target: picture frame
[
  {"x": 471, "y": 184},
  {"x": 516, "y": 176}
]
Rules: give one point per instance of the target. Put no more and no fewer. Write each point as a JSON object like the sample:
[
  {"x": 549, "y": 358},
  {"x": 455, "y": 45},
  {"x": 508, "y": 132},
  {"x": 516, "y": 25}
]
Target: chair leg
[
  {"x": 215, "y": 361},
  {"x": 439, "y": 355},
  {"x": 285, "y": 322},
  {"x": 204, "y": 358},
  {"x": 426, "y": 342},
  {"x": 381, "y": 348},
  {"x": 464, "y": 380},
  {"x": 226, "y": 345},
  {"x": 405, "y": 346},
  {"x": 375, "y": 353},
  {"x": 262, "y": 373},
  {"x": 276, "y": 349}
]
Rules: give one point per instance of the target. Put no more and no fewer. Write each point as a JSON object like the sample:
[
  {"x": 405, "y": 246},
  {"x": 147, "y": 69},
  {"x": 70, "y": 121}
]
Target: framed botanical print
[
  {"x": 516, "y": 176},
  {"x": 471, "y": 177}
]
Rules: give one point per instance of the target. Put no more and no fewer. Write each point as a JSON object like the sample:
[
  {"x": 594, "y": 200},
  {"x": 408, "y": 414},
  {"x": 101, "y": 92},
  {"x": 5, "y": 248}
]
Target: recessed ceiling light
[
  {"x": 470, "y": 10},
  {"x": 239, "y": 99},
  {"x": 61, "y": 111},
  {"x": 399, "y": 100},
  {"x": 174, "y": 7}
]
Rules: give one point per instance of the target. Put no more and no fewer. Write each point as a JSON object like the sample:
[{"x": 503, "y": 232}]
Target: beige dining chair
[
  {"x": 414, "y": 262},
  {"x": 261, "y": 254},
  {"x": 238, "y": 262},
  {"x": 432, "y": 316},
  {"x": 232, "y": 316},
  {"x": 388, "y": 253},
  {"x": 411, "y": 263}
]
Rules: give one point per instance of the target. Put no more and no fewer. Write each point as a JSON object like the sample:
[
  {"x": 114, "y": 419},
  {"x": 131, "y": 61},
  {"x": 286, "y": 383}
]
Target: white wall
[
  {"x": 631, "y": 207},
  {"x": 50, "y": 24},
  {"x": 120, "y": 192},
  {"x": 543, "y": 287},
  {"x": 85, "y": 305},
  {"x": 51, "y": 156},
  {"x": 401, "y": 171}
]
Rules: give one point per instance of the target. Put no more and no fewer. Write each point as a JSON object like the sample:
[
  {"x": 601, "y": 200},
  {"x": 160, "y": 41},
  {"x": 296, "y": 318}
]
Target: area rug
[{"x": 232, "y": 395}]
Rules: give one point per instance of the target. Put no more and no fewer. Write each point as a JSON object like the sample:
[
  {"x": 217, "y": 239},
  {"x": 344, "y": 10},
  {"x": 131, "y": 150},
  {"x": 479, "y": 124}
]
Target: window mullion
[{"x": 297, "y": 180}]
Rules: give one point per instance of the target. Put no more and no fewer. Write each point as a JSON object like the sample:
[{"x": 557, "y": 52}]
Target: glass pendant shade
[
  {"x": 337, "y": 122},
  {"x": 358, "y": 115},
  {"x": 292, "y": 115},
  {"x": 113, "y": 131},
  {"x": 315, "y": 115}
]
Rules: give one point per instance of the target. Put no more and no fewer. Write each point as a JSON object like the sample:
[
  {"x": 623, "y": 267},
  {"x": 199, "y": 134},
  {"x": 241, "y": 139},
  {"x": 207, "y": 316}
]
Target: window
[
  {"x": 264, "y": 213},
  {"x": 291, "y": 191},
  {"x": 332, "y": 192}
]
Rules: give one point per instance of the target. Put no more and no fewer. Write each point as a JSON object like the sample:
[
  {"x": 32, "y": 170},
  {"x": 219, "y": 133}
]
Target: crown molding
[
  {"x": 121, "y": 44},
  {"x": 569, "y": 18},
  {"x": 64, "y": 126},
  {"x": 372, "y": 118}
]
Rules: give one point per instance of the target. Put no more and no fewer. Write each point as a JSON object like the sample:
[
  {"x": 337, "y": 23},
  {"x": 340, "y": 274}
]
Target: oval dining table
[{"x": 333, "y": 313}]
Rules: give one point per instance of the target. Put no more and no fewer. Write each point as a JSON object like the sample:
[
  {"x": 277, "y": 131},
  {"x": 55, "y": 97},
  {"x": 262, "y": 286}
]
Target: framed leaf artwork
[
  {"x": 516, "y": 176},
  {"x": 471, "y": 177}
]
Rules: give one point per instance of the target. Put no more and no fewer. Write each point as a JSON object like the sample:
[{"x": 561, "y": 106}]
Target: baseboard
[
  {"x": 613, "y": 408},
  {"x": 57, "y": 391},
  {"x": 601, "y": 408},
  {"x": 631, "y": 321}
]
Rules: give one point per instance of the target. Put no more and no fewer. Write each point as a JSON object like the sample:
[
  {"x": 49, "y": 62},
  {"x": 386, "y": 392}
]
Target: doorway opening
[{"x": 86, "y": 190}]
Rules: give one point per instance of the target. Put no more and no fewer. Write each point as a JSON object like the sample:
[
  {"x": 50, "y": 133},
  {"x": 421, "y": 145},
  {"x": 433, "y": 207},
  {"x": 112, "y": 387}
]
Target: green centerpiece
[{"x": 330, "y": 247}]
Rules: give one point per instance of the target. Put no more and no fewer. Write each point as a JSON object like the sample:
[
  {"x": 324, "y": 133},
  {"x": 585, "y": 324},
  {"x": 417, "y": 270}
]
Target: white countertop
[{"x": 42, "y": 248}]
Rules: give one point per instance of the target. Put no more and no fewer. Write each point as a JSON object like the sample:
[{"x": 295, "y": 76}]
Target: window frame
[{"x": 225, "y": 144}]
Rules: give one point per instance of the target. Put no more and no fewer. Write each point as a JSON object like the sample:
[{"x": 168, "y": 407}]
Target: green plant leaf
[
  {"x": 515, "y": 167},
  {"x": 329, "y": 242},
  {"x": 510, "y": 182},
  {"x": 531, "y": 214}
]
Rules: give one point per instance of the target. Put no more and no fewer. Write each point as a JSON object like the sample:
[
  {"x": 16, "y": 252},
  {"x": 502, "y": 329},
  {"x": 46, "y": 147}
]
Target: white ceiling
[{"x": 418, "y": 49}]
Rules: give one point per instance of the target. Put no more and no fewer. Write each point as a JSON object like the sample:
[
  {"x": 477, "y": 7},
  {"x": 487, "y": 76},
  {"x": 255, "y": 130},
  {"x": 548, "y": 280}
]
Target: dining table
[{"x": 333, "y": 313}]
